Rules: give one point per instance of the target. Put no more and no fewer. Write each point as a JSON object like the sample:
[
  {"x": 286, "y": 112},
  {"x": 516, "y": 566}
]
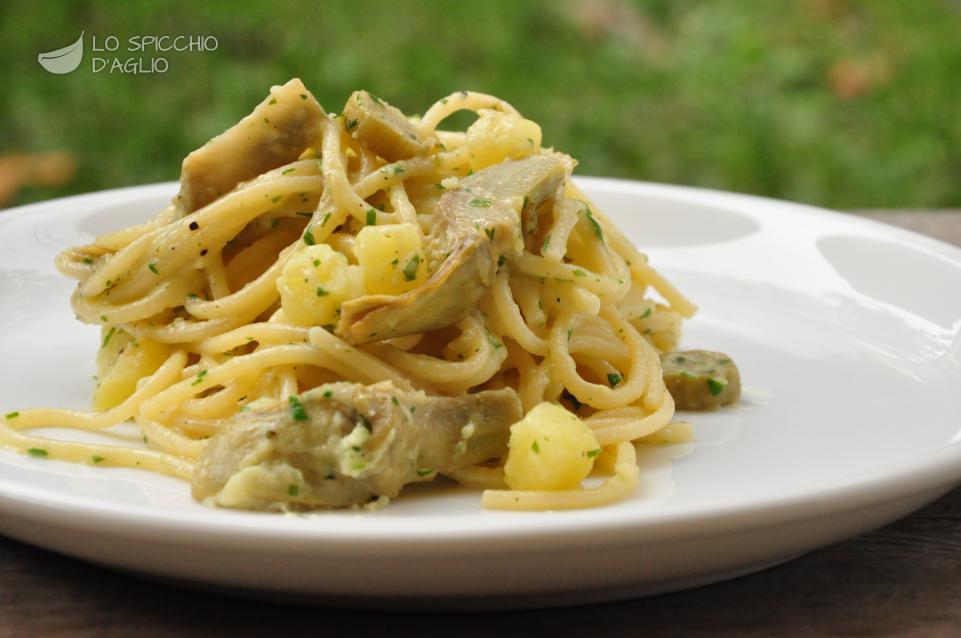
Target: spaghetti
[{"x": 208, "y": 310}]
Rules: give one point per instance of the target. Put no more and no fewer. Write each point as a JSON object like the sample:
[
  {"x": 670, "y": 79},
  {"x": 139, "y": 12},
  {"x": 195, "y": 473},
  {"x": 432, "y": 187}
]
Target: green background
[{"x": 841, "y": 104}]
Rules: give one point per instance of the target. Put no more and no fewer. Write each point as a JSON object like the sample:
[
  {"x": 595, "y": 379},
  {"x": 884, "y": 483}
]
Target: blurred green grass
[{"x": 839, "y": 103}]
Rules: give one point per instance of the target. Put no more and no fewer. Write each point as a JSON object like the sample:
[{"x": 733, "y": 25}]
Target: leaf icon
[{"x": 63, "y": 60}]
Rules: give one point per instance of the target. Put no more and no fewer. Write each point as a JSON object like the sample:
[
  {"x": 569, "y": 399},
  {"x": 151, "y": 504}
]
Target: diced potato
[
  {"x": 391, "y": 258},
  {"x": 315, "y": 283},
  {"x": 550, "y": 449},
  {"x": 496, "y": 136},
  {"x": 121, "y": 363}
]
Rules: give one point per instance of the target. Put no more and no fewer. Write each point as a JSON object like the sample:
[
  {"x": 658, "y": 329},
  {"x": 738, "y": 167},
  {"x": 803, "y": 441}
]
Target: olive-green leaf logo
[{"x": 63, "y": 60}]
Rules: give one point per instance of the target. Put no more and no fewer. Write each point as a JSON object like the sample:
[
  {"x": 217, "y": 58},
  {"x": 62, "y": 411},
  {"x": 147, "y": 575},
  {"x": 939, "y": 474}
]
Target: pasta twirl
[{"x": 306, "y": 251}]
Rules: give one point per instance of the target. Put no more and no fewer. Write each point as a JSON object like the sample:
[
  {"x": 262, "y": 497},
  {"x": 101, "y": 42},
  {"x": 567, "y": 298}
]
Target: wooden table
[{"x": 904, "y": 580}]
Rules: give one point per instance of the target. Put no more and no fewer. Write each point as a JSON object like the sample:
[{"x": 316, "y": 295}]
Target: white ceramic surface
[{"x": 846, "y": 332}]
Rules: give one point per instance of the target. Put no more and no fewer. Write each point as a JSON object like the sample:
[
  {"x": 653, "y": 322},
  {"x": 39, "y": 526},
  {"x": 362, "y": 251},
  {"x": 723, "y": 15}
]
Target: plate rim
[{"x": 942, "y": 469}]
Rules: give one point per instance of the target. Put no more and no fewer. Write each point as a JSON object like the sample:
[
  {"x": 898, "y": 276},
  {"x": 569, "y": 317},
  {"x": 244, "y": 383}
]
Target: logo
[{"x": 63, "y": 60}]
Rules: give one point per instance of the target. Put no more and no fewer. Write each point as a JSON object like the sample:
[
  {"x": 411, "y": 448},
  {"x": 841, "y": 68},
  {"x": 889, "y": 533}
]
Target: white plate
[{"x": 846, "y": 332}]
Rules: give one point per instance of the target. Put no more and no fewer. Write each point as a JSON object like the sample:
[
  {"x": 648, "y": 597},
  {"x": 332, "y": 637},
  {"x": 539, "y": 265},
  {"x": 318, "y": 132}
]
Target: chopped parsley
[
  {"x": 580, "y": 273},
  {"x": 37, "y": 452},
  {"x": 680, "y": 359},
  {"x": 316, "y": 263},
  {"x": 536, "y": 447},
  {"x": 716, "y": 386},
  {"x": 293, "y": 489},
  {"x": 394, "y": 400},
  {"x": 596, "y": 226},
  {"x": 200, "y": 378},
  {"x": 97, "y": 459},
  {"x": 371, "y": 216},
  {"x": 153, "y": 267},
  {"x": 321, "y": 292},
  {"x": 440, "y": 187},
  {"x": 424, "y": 471},
  {"x": 303, "y": 96},
  {"x": 480, "y": 203},
  {"x": 594, "y": 453},
  {"x": 297, "y": 410},
  {"x": 87, "y": 260},
  {"x": 351, "y": 124},
  {"x": 398, "y": 170},
  {"x": 647, "y": 313},
  {"x": 410, "y": 269},
  {"x": 324, "y": 221},
  {"x": 274, "y": 200},
  {"x": 501, "y": 260},
  {"x": 109, "y": 334},
  {"x": 613, "y": 379},
  {"x": 724, "y": 361},
  {"x": 490, "y": 233},
  {"x": 309, "y": 237},
  {"x": 288, "y": 170},
  {"x": 328, "y": 394},
  {"x": 11, "y": 415}
]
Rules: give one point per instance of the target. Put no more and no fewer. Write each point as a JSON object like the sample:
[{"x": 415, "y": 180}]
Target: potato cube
[
  {"x": 121, "y": 363},
  {"x": 496, "y": 136},
  {"x": 550, "y": 449},
  {"x": 315, "y": 283},
  {"x": 391, "y": 258}
]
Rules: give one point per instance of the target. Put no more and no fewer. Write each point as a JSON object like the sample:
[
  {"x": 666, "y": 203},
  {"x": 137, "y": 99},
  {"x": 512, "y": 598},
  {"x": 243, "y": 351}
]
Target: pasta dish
[{"x": 336, "y": 306}]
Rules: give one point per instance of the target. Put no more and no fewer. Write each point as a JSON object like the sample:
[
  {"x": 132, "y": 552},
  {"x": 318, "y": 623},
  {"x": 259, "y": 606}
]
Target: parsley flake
[
  {"x": 716, "y": 386},
  {"x": 596, "y": 226},
  {"x": 410, "y": 270},
  {"x": 297, "y": 410}
]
